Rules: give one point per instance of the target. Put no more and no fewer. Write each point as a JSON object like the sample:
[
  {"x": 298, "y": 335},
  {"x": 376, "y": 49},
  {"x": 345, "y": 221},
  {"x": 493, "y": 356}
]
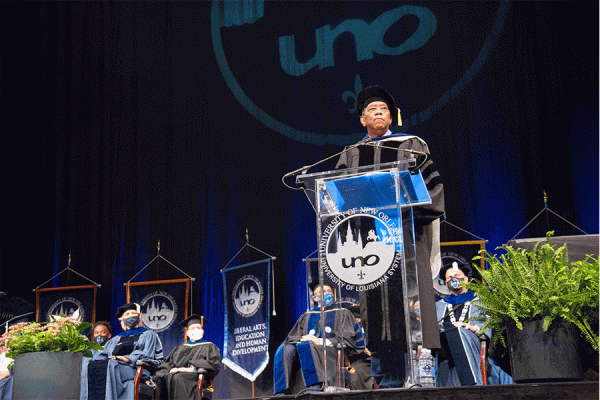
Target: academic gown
[
  {"x": 135, "y": 344},
  {"x": 340, "y": 328},
  {"x": 84, "y": 375},
  {"x": 460, "y": 354},
  {"x": 382, "y": 308},
  {"x": 183, "y": 385},
  {"x": 6, "y": 384}
]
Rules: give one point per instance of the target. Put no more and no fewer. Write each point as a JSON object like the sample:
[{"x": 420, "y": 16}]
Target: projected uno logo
[{"x": 299, "y": 80}]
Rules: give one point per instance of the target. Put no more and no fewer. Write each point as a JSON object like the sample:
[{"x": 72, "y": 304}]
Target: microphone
[
  {"x": 416, "y": 152},
  {"x": 305, "y": 168}
]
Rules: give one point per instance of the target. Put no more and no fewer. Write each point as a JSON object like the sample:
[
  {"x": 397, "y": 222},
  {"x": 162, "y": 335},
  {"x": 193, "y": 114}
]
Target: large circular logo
[
  {"x": 403, "y": 47},
  {"x": 159, "y": 311},
  {"x": 362, "y": 250},
  {"x": 67, "y": 306},
  {"x": 247, "y": 296}
]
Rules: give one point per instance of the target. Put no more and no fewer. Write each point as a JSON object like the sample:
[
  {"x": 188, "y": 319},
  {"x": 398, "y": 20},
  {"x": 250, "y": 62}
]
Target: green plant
[
  {"x": 522, "y": 285},
  {"x": 62, "y": 334}
]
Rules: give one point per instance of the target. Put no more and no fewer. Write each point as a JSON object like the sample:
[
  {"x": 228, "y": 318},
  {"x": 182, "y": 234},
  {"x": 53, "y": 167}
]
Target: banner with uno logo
[
  {"x": 163, "y": 304},
  {"x": 247, "y": 306},
  {"x": 77, "y": 302}
]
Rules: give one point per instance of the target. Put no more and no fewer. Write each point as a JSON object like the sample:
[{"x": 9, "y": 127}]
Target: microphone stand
[
  {"x": 305, "y": 169},
  {"x": 368, "y": 142}
]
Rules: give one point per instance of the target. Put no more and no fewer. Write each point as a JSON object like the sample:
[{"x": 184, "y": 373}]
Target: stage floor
[{"x": 536, "y": 391}]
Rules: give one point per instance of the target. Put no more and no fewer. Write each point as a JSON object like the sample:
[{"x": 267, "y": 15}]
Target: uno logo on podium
[{"x": 361, "y": 249}]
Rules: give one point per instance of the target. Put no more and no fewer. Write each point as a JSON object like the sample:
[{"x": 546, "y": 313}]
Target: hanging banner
[
  {"x": 78, "y": 302},
  {"x": 247, "y": 306},
  {"x": 164, "y": 304}
]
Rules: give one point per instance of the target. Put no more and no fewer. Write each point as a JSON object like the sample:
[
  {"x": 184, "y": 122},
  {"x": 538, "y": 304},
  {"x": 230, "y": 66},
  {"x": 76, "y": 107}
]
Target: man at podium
[{"x": 384, "y": 320}]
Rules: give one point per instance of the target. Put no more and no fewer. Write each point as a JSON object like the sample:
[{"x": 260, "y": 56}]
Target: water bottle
[{"x": 426, "y": 376}]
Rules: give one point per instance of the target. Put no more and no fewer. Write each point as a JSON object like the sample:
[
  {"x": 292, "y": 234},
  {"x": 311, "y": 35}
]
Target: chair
[
  {"x": 141, "y": 388},
  {"x": 205, "y": 392},
  {"x": 483, "y": 358}
]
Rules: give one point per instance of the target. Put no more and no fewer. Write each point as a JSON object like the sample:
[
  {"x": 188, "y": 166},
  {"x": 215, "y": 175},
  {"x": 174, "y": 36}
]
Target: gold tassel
[{"x": 399, "y": 118}]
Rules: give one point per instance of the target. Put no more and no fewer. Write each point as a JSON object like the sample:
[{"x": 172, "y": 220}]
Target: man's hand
[
  {"x": 124, "y": 359},
  {"x": 472, "y": 328},
  {"x": 181, "y": 369},
  {"x": 315, "y": 340},
  {"x": 310, "y": 338},
  {"x": 368, "y": 352}
]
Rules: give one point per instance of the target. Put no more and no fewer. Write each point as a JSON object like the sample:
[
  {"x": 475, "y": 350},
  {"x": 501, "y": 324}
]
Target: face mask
[
  {"x": 131, "y": 322},
  {"x": 195, "y": 334},
  {"x": 453, "y": 284},
  {"x": 101, "y": 339},
  {"x": 328, "y": 299}
]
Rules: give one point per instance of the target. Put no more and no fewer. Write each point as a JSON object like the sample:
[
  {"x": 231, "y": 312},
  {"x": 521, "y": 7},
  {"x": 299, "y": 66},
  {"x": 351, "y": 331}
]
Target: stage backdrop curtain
[
  {"x": 121, "y": 128},
  {"x": 247, "y": 305}
]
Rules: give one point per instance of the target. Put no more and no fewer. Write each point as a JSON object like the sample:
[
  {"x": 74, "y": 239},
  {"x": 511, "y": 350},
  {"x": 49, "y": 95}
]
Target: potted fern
[{"x": 540, "y": 304}]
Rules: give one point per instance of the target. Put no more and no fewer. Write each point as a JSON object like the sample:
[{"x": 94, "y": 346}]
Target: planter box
[
  {"x": 47, "y": 375},
  {"x": 538, "y": 356}
]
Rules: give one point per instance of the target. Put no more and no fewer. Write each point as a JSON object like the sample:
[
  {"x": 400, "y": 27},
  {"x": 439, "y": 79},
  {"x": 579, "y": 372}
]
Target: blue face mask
[
  {"x": 101, "y": 339},
  {"x": 453, "y": 284},
  {"x": 328, "y": 299},
  {"x": 131, "y": 322}
]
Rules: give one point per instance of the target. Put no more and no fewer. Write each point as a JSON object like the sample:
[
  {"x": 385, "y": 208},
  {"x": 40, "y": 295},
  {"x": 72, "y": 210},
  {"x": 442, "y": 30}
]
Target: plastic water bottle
[{"x": 426, "y": 377}]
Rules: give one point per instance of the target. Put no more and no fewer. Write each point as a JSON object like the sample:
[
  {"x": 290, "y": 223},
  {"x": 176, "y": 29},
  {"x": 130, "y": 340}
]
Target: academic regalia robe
[
  {"x": 340, "y": 329},
  {"x": 6, "y": 383},
  {"x": 383, "y": 307},
  {"x": 6, "y": 386},
  {"x": 135, "y": 344},
  {"x": 361, "y": 377},
  {"x": 460, "y": 353},
  {"x": 183, "y": 385},
  {"x": 84, "y": 375}
]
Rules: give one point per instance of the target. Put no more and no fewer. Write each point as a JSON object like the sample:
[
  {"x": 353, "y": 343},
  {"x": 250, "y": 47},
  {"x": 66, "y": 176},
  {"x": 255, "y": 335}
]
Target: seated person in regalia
[
  {"x": 459, "y": 358},
  {"x": 303, "y": 346},
  {"x": 111, "y": 371},
  {"x": 177, "y": 375}
]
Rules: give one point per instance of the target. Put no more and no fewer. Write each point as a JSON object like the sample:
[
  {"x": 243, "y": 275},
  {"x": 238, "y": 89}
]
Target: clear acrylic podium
[{"x": 366, "y": 243}]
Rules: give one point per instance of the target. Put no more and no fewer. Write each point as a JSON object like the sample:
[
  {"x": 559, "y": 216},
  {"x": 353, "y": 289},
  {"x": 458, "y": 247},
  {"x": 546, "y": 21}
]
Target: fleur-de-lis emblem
[{"x": 352, "y": 95}]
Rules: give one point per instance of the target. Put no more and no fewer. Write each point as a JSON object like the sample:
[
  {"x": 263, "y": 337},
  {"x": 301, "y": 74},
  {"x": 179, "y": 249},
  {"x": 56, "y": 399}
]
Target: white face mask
[{"x": 195, "y": 334}]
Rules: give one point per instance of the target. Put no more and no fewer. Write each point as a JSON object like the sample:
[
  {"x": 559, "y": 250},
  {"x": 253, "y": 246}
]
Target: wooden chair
[
  {"x": 140, "y": 387},
  {"x": 483, "y": 358},
  {"x": 205, "y": 392}
]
